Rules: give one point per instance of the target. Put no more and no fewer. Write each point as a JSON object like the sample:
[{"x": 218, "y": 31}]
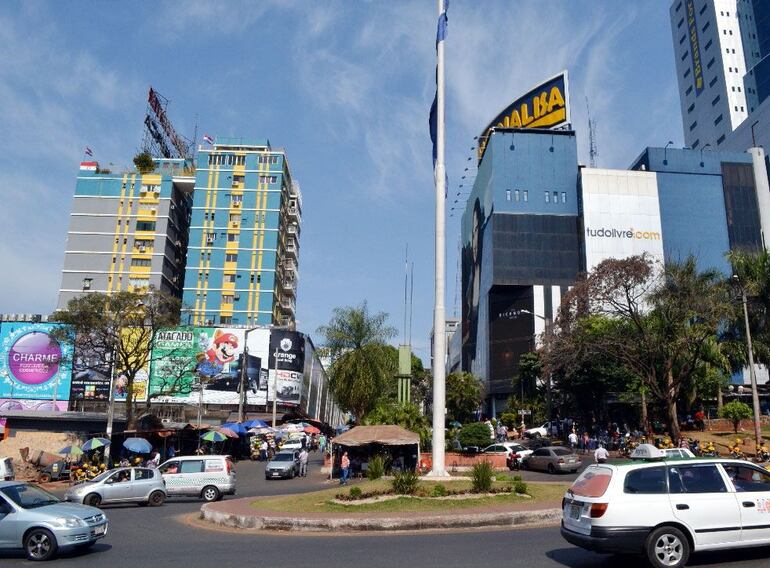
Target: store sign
[
  {"x": 697, "y": 68},
  {"x": 545, "y": 106}
]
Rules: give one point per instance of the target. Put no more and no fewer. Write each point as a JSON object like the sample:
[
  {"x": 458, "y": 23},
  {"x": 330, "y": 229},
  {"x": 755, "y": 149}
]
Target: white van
[
  {"x": 207, "y": 477},
  {"x": 6, "y": 470}
]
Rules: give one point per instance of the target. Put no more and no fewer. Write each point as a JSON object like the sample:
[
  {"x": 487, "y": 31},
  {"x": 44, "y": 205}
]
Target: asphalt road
[{"x": 165, "y": 536}]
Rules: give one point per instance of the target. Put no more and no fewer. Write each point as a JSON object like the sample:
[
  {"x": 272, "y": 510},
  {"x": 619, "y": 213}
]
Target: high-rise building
[
  {"x": 128, "y": 231},
  {"x": 244, "y": 237},
  {"x": 721, "y": 52}
]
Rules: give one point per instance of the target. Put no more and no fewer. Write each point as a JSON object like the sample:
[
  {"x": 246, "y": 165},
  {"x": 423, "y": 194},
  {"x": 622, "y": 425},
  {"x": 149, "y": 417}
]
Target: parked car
[
  {"x": 6, "y": 470},
  {"x": 38, "y": 522},
  {"x": 207, "y": 477},
  {"x": 285, "y": 464},
  {"x": 140, "y": 485},
  {"x": 514, "y": 453},
  {"x": 666, "y": 509},
  {"x": 552, "y": 459}
]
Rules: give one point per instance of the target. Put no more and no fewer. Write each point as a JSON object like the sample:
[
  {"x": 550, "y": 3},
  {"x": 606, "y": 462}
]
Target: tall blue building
[{"x": 244, "y": 237}]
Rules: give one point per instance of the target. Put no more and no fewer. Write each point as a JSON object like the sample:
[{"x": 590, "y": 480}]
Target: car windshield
[
  {"x": 562, "y": 452},
  {"x": 593, "y": 482},
  {"x": 283, "y": 457},
  {"x": 29, "y": 496}
]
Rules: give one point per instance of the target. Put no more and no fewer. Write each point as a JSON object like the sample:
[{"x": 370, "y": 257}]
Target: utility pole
[
  {"x": 242, "y": 392},
  {"x": 752, "y": 373},
  {"x": 275, "y": 386}
]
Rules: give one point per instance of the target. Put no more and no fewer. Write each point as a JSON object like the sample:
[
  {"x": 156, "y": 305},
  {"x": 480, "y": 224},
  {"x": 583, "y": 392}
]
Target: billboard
[
  {"x": 544, "y": 106},
  {"x": 621, "y": 215},
  {"x": 697, "y": 68},
  {"x": 34, "y": 365},
  {"x": 193, "y": 362}
]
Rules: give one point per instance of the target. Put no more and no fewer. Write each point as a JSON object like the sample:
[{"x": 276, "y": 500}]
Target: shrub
[
  {"x": 356, "y": 493},
  {"x": 144, "y": 163},
  {"x": 481, "y": 477},
  {"x": 405, "y": 482},
  {"x": 520, "y": 487},
  {"x": 517, "y": 478},
  {"x": 376, "y": 468},
  {"x": 736, "y": 411},
  {"x": 476, "y": 434},
  {"x": 438, "y": 491},
  {"x": 510, "y": 420}
]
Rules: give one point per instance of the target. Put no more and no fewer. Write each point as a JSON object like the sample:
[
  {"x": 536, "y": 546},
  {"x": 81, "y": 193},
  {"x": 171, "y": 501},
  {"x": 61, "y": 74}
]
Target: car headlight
[{"x": 70, "y": 522}]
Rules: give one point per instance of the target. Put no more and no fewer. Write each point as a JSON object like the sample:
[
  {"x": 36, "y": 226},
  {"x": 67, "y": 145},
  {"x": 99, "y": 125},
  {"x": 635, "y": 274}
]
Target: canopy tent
[{"x": 386, "y": 434}]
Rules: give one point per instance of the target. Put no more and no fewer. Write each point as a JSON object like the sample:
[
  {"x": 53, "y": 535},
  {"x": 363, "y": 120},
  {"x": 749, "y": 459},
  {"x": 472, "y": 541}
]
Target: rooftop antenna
[
  {"x": 406, "y": 287},
  {"x": 593, "y": 151},
  {"x": 411, "y": 302}
]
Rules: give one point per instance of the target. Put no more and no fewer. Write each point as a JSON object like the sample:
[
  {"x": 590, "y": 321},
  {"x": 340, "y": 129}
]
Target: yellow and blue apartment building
[
  {"x": 128, "y": 231},
  {"x": 242, "y": 260}
]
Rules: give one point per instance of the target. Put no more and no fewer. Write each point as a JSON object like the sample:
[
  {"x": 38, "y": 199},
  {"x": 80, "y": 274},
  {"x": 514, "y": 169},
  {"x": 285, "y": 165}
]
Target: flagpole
[{"x": 439, "y": 317}]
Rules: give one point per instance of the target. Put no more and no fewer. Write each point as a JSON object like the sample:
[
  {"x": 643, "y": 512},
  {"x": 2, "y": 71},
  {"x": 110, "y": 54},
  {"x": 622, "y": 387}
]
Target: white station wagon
[{"x": 667, "y": 508}]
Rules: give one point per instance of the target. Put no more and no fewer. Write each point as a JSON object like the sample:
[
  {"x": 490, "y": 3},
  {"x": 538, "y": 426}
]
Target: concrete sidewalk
[{"x": 240, "y": 514}]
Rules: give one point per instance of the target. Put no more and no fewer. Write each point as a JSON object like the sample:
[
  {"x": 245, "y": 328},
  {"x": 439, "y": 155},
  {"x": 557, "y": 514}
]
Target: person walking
[
  {"x": 322, "y": 443},
  {"x": 344, "y": 468},
  {"x": 573, "y": 440},
  {"x": 263, "y": 450},
  {"x": 601, "y": 454},
  {"x": 303, "y": 455}
]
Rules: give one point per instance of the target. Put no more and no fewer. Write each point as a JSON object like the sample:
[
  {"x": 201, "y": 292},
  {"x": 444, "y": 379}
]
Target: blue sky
[{"x": 344, "y": 86}]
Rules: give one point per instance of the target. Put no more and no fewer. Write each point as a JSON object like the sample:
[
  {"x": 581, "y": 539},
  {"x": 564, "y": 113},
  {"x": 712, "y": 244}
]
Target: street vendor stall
[{"x": 401, "y": 447}]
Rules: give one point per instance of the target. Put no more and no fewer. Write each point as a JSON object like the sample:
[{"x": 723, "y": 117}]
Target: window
[
  {"x": 229, "y": 278},
  {"x": 191, "y": 466},
  {"x": 695, "y": 479},
  {"x": 742, "y": 109},
  {"x": 564, "y": 197},
  {"x": 237, "y": 198},
  {"x": 695, "y": 144},
  {"x": 686, "y": 73},
  {"x": 748, "y": 479},
  {"x": 685, "y": 54},
  {"x": 720, "y": 139},
  {"x": 710, "y": 63},
  {"x": 225, "y": 320},
  {"x": 646, "y": 481},
  {"x": 688, "y": 91},
  {"x": 142, "y": 474},
  {"x": 235, "y": 218},
  {"x": 227, "y": 298},
  {"x": 526, "y": 195},
  {"x": 516, "y": 193},
  {"x": 555, "y": 197},
  {"x": 232, "y": 237},
  {"x": 713, "y": 81},
  {"x": 231, "y": 257},
  {"x": 715, "y": 101},
  {"x": 507, "y": 194},
  {"x": 703, "y": 9},
  {"x": 141, "y": 262},
  {"x": 145, "y": 225},
  {"x": 706, "y": 26},
  {"x": 547, "y": 196},
  {"x": 678, "y": 7},
  {"x": 679, "y": 25},
  {"x": 718, "y": 120},
  {"x": 267, "y": 179},
  {"x": 693, "y": 125},
  {"x": 210, "y": 238},
  {"x": 691, "y": 108},
  {"x": 238, "y": 179},
  {"x": 681, "y": 39},
  {"x": 541, "y": 452},
  {"x": 138, "y": 282},
  {"x": 706, "y": 48}
]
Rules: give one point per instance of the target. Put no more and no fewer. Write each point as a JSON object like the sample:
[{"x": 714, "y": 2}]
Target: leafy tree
[
  {"x": 405, "y": 415},
  {"x": 736, "y": 411},
  {"x": 463, "y": 396},
  {"x": 662, "y": 326},
  {"x": 360, "y": 367},
  {"x": 144, "y": 163},
  {"x": 530, "y": 371},
  {"x": 116, "y": 332},
  {"x": 475, "y": 434}
]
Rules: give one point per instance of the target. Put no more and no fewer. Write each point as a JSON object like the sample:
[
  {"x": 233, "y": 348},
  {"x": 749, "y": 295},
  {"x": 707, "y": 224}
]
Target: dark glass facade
[
  {"x": 743, "y": 223},
  {"x": 510, "y": 334}
]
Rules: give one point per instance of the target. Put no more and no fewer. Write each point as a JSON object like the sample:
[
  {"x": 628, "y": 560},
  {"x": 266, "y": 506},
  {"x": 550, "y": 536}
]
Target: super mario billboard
[
  {"x": 190, "y": 358},
  {"x": 34, "y": 365}
]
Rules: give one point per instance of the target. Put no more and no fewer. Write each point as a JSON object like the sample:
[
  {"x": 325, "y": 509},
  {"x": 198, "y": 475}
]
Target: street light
[
  {"x": 701, "y": 153},
  {"x": 665, "y": 149},
  {"x": 752, "y": 374},
  {"x": 242, "y": 393}
]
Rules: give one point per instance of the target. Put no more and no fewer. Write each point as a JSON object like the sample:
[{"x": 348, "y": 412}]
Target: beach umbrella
[
  {"x": 312, "y": 430},
  {"x": 70, "y": 451},
  {"x": 137, "y": 445},
  {"x": 255, "y": 424},
  {"x": 213, "y": 436},
  {"x": 227, "y": 432},
  {"x": 94, "y": 443},
  {"x": 236, "y": 427}
]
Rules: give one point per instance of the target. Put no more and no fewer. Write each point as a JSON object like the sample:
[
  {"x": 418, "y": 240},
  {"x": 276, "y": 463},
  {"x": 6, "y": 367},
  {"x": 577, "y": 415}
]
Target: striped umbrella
[
  {"x": 94, "y": 443},
  {"x": 213, "y": 436}
]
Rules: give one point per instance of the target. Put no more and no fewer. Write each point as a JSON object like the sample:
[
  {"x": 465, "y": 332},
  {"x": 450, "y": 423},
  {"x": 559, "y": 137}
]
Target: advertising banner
[
  {"x": 697, "y": 68},
  {"x": 33, "y": 363},
  {"x": 545, "y": 106},
  {"x": 287, "y": 364}
]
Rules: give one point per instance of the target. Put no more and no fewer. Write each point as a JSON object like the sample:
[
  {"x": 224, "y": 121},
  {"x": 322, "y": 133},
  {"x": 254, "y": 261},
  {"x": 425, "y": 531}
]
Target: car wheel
[
  {"x": 667, "y": 547},
  {"x": 44, "y": 478},
  {"x": 210, "y": 493},
  {"x": 291, "y": 474},
  {"x": 551, "y": 469},
  {"x": 157, "y": 498},
  {"x": 536, "y": 435},
  {"x": 40, "y": 544},
  {"x": 93, "y": 499}
]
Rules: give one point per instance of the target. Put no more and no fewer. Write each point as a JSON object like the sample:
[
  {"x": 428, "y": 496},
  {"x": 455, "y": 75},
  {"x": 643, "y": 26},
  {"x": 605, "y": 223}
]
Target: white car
[
  {"x": 666, "y": 509},
  {"x": 511, "y": 449},
  {"x": 538, "y": 431}
]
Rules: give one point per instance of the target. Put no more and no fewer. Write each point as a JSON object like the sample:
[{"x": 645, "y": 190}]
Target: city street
[{"x": 141, "y": 536}]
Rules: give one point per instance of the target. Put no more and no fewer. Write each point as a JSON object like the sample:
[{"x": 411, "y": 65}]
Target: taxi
[{"x": 666, "y": 508}]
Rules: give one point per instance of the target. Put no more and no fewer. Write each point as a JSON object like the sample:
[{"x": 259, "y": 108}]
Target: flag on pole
[
  {"x": 208, "y": 139},
  {"x": 89, "y": 152},
  {"x": 433, "y": 116}
]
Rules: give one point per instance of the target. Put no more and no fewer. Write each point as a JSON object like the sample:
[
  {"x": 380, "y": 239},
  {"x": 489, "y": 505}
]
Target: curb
[{"x": 259, "y": 522}]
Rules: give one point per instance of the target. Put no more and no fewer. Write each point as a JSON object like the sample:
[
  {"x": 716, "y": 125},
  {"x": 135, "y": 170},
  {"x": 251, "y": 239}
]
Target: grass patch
[{"x": 320, "y": 501}]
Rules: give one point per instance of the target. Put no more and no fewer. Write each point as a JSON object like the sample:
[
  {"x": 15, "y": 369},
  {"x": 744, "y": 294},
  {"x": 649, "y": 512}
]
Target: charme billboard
[
  {"x": 544, "y": 106},
  {"x": 621, "y": 215},
  {"x": 34, "y": 364}
]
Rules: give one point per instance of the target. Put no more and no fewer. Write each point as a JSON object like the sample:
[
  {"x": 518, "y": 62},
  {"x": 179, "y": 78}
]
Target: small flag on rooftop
[
  {"x": 208, "y": 139},
  {"x": 89, "y": 152}
]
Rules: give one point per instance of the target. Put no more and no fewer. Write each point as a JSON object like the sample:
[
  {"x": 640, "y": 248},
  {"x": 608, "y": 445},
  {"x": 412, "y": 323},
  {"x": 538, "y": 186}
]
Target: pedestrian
[
  {"x": 171, "y": 451},
  {"x": 303, "y": 455},
  {"x": 263, "y": 450},
  {"x": 154, "y": 461},
  {"x": 573, "y": 440},
  {"x": 601, "y": 454},
  {"x": 344, "y": 468},
  {"x": 322, "y": 443}
]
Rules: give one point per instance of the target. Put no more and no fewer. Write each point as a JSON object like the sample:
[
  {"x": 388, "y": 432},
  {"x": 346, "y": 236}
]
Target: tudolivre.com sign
[
  {"x": 629, "y": 233},
  {"x": 544, "y": 106}
]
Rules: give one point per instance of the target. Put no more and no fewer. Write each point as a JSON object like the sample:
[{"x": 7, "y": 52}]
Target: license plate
[
  {"x": 101, "y": 529},
  {"x": 574, "y": 511},
  {"x": 276, "y": 474}
]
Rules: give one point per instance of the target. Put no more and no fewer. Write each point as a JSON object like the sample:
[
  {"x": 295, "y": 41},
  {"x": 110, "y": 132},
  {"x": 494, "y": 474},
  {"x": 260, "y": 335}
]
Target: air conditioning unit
[{"x": 142, "y": 248}]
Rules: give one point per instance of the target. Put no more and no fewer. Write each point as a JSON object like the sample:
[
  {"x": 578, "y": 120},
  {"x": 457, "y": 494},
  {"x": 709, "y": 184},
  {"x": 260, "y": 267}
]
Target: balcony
[
  {"x": 292, "y": 229},
  {"x": 289, "y": 268},
  {"x": 291, "y": 250},
  {"x": 289, "y": 286},
  {"x": 287, "y": 305}
]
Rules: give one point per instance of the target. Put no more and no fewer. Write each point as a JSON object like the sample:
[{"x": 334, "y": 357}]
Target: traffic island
[{"x": 322, "y": 511}]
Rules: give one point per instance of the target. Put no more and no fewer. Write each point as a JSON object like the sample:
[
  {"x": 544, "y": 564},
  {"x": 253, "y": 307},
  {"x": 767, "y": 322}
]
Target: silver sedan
[{"x": 141, "y": 485}]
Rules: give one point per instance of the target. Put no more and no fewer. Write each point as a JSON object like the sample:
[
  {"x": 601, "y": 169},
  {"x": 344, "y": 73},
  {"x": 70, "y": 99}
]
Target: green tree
[
  {"x": 736, "y": 411},
  {"x": 529, "y": 373},
  {"x": 463, "y": 396},
  {"x": 144, "y": 163},
  {"x": 405, "y": 415},
  {"x": 475, "y": 434},
  {"x": 360, "y": 367},
  {"x": 115, "y": 333}
]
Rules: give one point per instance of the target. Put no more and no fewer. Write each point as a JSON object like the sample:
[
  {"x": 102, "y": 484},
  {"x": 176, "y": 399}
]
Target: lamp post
[
  {"x": 275, "y": 386},
  {"x": 242, "y": 391},
  {"x": 701, "y": 153},
  {"x": 752, "y": 373},
  {"x": 665, "y": 149}
]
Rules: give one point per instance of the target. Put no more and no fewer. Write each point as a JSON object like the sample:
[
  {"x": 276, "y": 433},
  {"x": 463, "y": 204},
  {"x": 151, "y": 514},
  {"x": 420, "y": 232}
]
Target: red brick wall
[{"x": 454, "y": 459}]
